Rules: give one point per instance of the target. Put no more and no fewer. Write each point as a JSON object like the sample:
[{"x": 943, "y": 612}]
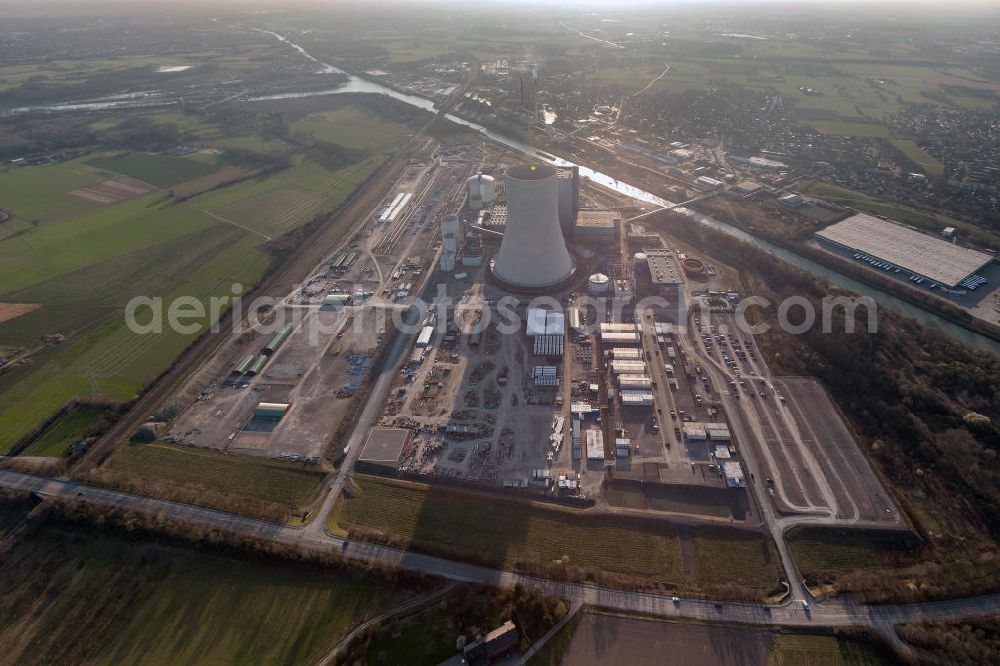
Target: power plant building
[
  {"x": 657, "y": 269},
  {"x": 533, "y": 254},
  {"x": 569, "y": 199},
  {"x": 616, "y": 327},
  {"x": 597, "y": 224}
]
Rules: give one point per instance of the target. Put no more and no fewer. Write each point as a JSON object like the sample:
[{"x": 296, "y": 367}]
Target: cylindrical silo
[{"x": 533, "y": 254}]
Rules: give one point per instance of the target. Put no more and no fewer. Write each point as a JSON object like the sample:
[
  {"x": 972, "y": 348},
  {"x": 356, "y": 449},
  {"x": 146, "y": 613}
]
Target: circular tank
[
  {"x": 693, "y": 266},
  {"x": 598, "y": 284},
  {"x": 474, "y": 190}
]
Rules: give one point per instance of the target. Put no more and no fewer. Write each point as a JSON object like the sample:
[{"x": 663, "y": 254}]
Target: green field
[
  {"x": 57, "y": 250},
  {"x": 507, "y": 533},
  {"x": 354, "y": 128},
  {"x": 850, "y": 128},
  {"x": 805, "y": 650},
  {"x": 71, "y": 597},
  {"x": 42, "y": 192},
  {"x": 423, "y": 642},
  {"x": 287, "y": 484},
  {"x": 831, "y": 550},
  {"x": 277, "y": 203},
  {"x": 65, "y": 431},
  {"x": 727, "y": 556},
  {"x": 158, "y": 170},
  {"x": 512, "y": 534},
  {"x": 930, "y": 165},
  {"x": 110, "y": 358}
]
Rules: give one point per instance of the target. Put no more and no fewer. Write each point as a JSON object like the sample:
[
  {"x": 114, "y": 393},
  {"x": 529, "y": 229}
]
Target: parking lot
[{"x": 809, "y": 460}]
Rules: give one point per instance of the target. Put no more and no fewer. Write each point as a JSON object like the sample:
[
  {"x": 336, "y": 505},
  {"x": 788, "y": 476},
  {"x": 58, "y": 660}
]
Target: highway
[{"x": 834, "y": 613}]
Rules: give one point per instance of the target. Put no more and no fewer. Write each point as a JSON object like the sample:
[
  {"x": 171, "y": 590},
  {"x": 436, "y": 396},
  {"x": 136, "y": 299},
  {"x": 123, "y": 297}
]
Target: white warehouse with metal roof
[{"x": 901, "y": 247}]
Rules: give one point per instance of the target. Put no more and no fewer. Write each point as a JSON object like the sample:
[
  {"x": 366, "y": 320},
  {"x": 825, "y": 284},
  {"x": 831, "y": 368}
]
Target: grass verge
[
  {"x": 520, "y": 535},
  {"x": 258, "y": 487}
]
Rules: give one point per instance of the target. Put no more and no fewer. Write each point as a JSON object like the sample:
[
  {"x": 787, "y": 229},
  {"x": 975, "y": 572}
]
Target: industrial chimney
[{"x": 533, "y": 254}]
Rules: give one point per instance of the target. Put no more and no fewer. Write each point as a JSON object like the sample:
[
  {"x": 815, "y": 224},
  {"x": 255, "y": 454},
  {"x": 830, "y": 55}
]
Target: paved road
[
  {"x": 824, "y": 614},
  {"x": 720, "y": 377}
]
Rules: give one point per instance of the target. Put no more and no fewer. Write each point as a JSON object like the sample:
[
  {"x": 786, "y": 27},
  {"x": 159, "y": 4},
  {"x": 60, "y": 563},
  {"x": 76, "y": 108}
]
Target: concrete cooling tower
[{"x": 533, "y": 254}]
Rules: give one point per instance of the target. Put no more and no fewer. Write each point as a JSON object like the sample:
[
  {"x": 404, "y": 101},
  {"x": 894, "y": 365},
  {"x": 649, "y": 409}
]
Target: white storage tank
[{"x": 598, "y": 284}]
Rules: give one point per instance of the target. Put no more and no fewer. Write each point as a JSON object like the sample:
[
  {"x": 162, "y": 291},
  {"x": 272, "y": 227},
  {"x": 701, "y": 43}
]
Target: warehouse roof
[
  {"x": 620, "y": 338},
  {"x": 640, "y": 381},
  {"x": 632, "y": 398},
  {"x": 927, "y": 256},
  {"x": 628, "y": 367},
  {"x": 595, "y": 445},
  {"x": 719, "y": 431},
  {"x": 695, "y": 431},
  {"x": 612, "y": 327}
]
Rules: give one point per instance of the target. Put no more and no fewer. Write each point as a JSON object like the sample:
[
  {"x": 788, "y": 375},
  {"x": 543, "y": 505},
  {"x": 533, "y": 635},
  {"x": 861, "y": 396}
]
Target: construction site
[
  {"x": 542, "y": 368},
  {"x": 535, "y": 362},
  {"x": 287, "y": 387},
  {"x": 538, "y": 373}
]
